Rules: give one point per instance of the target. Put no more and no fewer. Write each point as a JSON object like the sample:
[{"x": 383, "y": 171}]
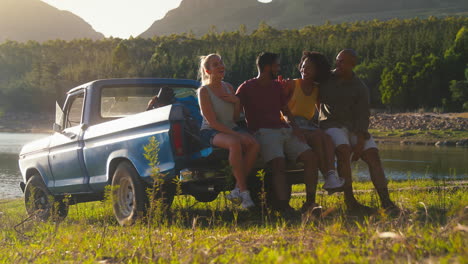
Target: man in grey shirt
[{"x": 344, "y": 115}]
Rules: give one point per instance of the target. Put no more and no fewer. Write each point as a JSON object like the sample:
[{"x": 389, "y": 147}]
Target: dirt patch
[{"x": 425, "y": 121}]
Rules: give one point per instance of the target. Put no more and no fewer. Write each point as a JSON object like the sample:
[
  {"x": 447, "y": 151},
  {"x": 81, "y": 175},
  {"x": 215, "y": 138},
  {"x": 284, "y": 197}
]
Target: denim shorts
[
  {"x": 207, "y": 135},
  {"x": 305, "y": 123}
]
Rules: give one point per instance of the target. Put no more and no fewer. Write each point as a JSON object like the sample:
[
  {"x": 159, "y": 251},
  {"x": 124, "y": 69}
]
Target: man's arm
[
  {"x": 361, "y": 124},
  {"x": 289, "y": 116},
  {"x": 152, "y": 103},
  {"x": 296, "y": 130},
  {"x": 362, "y": 112},
  {"x": 240, "y": 94}
]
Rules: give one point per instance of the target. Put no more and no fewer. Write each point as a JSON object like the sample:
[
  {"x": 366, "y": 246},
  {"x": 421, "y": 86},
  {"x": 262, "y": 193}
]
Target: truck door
[{"x": 66, "y": 149}]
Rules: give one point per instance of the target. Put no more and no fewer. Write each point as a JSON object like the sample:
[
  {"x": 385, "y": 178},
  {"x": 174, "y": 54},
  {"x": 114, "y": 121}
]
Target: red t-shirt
[{"x": 262, "y": 104}]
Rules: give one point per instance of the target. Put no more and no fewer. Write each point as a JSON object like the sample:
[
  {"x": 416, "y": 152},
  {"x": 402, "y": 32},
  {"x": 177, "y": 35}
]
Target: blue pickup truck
[{"x": 99, "y": 140}]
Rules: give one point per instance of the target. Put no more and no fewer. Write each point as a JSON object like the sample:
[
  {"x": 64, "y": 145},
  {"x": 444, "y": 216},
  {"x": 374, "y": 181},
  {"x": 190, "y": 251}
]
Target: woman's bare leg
[
  {"x": 315, "y": 141},
  {"x": 250, "y": 149},
  {"x": 322, "y": 144},
  {"x": 233, "y": 144},
  {"x": 329, "y": 150}
]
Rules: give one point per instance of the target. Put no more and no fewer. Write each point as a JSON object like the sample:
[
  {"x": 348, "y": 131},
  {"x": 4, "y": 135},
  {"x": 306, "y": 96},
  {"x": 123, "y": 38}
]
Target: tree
[
  {"x": 412, "y": 85},
  {"x": 459, "y": 92},
  {"x": 394, "y": 86},
  {"x": 410, "y": 62},
  {"x": 120, "y": 61},
  {"x": 370, "y": 74},
  {"x": 461, "y": 43}
]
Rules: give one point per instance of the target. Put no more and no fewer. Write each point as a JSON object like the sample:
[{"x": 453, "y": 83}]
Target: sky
[{"x": 119, "y": 18}]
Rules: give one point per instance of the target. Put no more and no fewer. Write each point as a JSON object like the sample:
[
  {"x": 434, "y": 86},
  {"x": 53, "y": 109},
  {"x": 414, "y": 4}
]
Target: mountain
[
  {"x": 198, "y": 16},
  {"x": 24, "y": 20}
]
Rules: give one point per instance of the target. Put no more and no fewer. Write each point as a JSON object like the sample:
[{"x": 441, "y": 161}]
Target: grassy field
[{"x": 432, "y": 229}]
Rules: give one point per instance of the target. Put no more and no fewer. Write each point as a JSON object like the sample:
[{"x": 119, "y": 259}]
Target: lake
[
  {"x": 401, "y": 162},
  {"x": 10, "y": 176}
]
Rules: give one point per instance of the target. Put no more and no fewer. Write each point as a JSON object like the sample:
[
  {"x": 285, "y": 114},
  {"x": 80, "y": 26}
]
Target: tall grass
[{"x": 432, "y": 228}]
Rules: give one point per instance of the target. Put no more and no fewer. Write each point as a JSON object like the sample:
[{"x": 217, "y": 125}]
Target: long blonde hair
[{"x": 204, "y": 61}]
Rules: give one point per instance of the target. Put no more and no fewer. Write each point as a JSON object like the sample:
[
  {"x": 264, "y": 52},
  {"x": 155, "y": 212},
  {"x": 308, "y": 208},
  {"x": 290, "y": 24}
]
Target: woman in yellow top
[{"x": 303, "y": 97}]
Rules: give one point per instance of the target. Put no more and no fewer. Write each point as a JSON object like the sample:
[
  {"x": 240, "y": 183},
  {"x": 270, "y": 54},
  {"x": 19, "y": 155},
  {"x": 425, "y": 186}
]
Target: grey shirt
[{"x": 344, "y": 103}]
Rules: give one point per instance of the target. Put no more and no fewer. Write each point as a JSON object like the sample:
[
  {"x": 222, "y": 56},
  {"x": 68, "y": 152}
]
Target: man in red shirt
[{"x": 264, "y": 104}]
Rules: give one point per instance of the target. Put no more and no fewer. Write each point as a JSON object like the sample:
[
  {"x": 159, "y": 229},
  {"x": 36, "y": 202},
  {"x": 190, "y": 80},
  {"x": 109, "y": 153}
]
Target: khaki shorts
[
  {"x": 342, "y": 136},
  {"x": 275, "y": 143}
]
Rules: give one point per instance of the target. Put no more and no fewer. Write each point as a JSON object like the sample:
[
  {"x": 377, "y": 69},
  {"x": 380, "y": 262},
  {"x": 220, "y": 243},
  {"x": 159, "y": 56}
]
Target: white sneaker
[
  {"x": 235, "y": 196},
  {"x": 246, "y": 200},
  {"x": 332, "y": 181}
]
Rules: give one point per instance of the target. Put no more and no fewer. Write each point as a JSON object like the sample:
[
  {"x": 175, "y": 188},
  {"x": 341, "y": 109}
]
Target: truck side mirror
[{"x": 59, "y": 118}]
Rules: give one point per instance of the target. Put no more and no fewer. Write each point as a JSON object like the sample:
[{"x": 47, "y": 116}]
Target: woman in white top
[{"x": 220, "y": 109}]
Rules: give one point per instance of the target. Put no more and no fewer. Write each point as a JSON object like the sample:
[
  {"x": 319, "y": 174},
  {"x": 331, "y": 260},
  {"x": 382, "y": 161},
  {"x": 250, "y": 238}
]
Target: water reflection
[
  {"x": 10, "y": 176},
  {"x": 400, "y": 162},
  {"x": 415, "y": 162},
  {"x": 12, "y": 142}
]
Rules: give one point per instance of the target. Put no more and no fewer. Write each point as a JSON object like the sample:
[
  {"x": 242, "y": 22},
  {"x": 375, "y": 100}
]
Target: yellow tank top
[{"x": 301, "y": 104}]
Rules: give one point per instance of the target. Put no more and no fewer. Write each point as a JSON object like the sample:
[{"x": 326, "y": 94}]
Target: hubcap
[
  {"x": 38, "y": 202},
  {"x": 126, "y": 197}
]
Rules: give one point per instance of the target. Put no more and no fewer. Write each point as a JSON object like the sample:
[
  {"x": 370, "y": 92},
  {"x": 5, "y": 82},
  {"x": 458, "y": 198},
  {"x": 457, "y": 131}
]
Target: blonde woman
[{"x": 220, "y": 109}]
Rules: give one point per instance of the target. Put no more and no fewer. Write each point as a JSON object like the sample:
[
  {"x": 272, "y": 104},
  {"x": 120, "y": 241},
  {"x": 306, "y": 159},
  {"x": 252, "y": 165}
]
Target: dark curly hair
[{"x": 322, "y": 66}]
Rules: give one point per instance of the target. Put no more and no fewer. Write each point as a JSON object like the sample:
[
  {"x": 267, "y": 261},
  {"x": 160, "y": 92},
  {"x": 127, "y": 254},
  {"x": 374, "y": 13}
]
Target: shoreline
[
  {"x": 446, "y": 142},
  {"x": 449, "y": 129},
  {"x": 429, "y": 129}
]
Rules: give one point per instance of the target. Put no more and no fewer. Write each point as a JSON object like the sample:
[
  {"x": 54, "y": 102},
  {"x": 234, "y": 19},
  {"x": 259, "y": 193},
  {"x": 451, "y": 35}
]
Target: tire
[
  {"x": 255, "y": 187},
  {"x": 206, "y": 197},
  {"x": 40, "y": 203},
  {"x": 167, "y": 194},
  {"x": 129, "y": 199}
]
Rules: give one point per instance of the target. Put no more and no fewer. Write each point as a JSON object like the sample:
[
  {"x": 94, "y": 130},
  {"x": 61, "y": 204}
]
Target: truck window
[
  {"x": 124, "y": 101},
  {"x": 75, "y": 111}
]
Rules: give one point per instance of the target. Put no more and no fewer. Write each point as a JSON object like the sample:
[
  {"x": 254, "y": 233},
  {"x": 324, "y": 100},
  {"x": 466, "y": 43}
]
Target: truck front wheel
[
  {"x": 40, "y": 204},
  {"x": 129, "y": 197}
]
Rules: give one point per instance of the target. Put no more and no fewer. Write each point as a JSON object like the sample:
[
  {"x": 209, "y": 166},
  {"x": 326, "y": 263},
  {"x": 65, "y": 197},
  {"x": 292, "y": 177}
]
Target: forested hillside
[
  {"x": 407, "y": 64},
  {"x": 24, "y": 20},
  {"x": 201, "y": 16}
]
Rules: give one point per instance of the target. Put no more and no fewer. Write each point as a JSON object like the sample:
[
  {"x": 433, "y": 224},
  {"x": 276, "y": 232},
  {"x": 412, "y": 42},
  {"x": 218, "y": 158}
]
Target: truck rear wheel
[
  {"x": 129, "y": 197},
  {"x": 40, "y": 203},
  {"x": 206, "y": 197},
  {"x": 257, "y": 187},
  {"x": 166, "y": 194}
]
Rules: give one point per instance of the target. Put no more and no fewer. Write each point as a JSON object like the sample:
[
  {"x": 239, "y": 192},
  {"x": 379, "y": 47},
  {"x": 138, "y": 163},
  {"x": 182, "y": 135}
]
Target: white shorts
[
  {"x": 342, "y": 136},
  {"x": 275, "y": 143}
]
